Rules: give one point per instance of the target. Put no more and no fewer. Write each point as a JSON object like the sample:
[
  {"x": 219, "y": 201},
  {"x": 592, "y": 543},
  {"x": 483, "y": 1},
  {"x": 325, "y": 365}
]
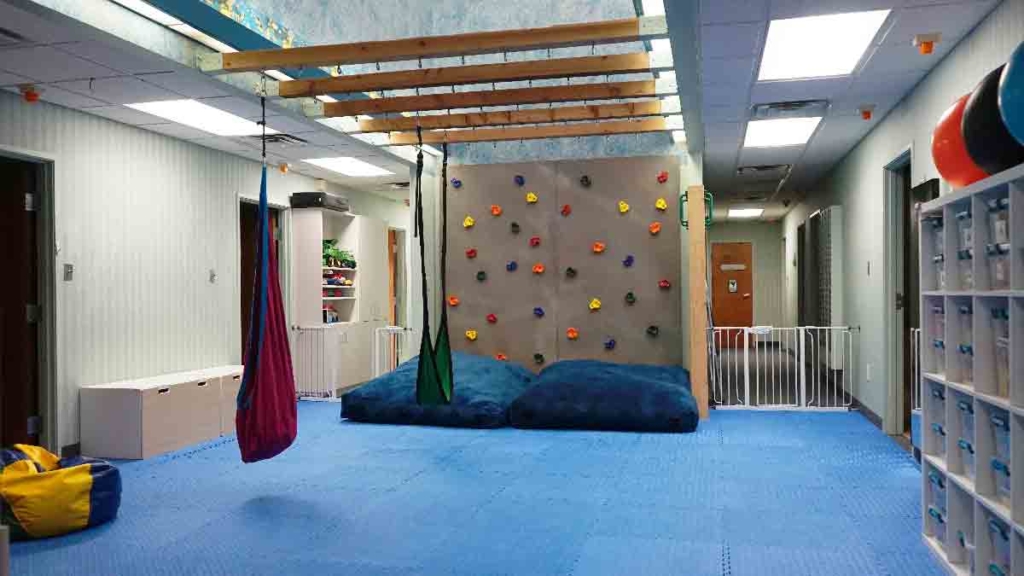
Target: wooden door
[
  {"x": 248, "y": 220},
  {"x": 19, "y": 291},
  {"x": 732, "y": 288}
]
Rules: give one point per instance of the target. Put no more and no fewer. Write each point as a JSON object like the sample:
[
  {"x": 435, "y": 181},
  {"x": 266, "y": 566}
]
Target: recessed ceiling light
[
  {"x": 653, "y": 7},
  {"x": 816, "y": 46},
  {"x": 745, "y": 212},
  {"x": 779, "y": 132},
  {"x": 349, "y": 166},
  {"x": 145, "y": 9},
  {"x": 201, "y": 117},
  {"x": 679, "y": 136},
  {"x": 278, "y": 75}
]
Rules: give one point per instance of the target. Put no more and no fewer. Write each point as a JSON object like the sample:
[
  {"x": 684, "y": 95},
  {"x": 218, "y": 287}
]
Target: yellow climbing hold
[
  {"x": 531, "y": 198},
  {"x": 661, "y": 204},
  {"x": 471, "y": 335},
  {"x": 623, "y": 207},
  {"x": 595, "y": 304},
  {"x": 468, "y": 222}
]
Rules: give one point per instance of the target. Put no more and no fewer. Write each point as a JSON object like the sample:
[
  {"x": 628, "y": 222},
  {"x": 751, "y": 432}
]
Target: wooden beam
[
  {"x": 532, "y": 132},
  {"x": 545, "y": 95},
  {"x": 477, "y": 74},
  {"x": 563, "y": 35},
  {"x": 509, "y": 117},
  {"x": 698, "y": 298}
]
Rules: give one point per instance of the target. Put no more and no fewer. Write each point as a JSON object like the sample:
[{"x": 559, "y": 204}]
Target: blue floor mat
[{"x": 759, "y": 493}]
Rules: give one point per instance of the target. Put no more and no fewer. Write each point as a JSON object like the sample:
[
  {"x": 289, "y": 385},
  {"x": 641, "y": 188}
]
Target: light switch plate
[{"x": 69, "y": 272}]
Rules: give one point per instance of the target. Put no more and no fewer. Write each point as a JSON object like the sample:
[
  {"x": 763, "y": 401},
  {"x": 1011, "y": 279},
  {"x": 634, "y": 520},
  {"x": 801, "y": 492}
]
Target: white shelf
[
  {"x": 339, "y": 269},
  {"x": 993, "y": 182},
  {"x": 338, "y": 298}
]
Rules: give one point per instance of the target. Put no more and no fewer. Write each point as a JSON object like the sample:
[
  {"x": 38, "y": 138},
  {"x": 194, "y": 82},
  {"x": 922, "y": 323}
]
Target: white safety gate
[
  {"x": 315, "y": 360},
  {"x": 391, "y": 345},
  {"x": 915, "y": 367},
  {"x": 766, "y": 367}
]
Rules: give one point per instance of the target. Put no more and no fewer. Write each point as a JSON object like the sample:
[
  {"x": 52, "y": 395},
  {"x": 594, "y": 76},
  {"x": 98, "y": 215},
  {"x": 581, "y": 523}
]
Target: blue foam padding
[
  {"x": 484, "y": 388},
  {"x": 594, "y": 395},
  {"x": 758, "y": 493}
]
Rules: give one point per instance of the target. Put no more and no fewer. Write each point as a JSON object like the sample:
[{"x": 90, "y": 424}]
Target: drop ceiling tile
[
  {"x": 788, "y": 90},
  {"x": 738, "y": 71},
  {"x": 34, "y": 28},
  {"x": 727, "y": 94},
  {"x": 127, "y": 115},
  {"x": 187, "y": 83},
  {"x": 732, "y": 40},
  {"x": 327, "y": 136},
  {"x": 304, "y": 152},
  {"x": 893, "y": 58},
  {"x": 55, "y": 95},
  {"x": 732, "y": 11},
  {"x": 130, "y": 60},
  {"x": 222, "y": 143},
  {"x": 12, "y": 79},
  {"x": 779, "y": 155},
  {"x": 47, "y": 64},
  {"x": 883, "y": 83},
  {"x": 290, "y": 125},
  {"x": 236, "y": 105},
  {"x": 177, "y": 131},
  {"x": 952, "y": 20},
  {"x": 726, "y": 113},
  {"x": 850, "y": 106},
  {"x": 723, "y": 131},
  {"x": 122, "y": 90}
]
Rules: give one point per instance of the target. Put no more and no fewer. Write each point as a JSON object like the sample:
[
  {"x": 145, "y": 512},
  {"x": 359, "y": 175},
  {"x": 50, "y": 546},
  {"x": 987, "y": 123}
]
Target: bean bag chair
[
  {"x": 42, "y": 495},
  {"x": 594, "y": 395},
  {"x": 484, "y": 387}
]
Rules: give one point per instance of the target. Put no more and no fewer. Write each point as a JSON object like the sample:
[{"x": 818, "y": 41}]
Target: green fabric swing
[{"x": 435, "y": 377}]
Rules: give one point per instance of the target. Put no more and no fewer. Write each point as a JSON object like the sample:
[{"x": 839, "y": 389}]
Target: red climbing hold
[
  {"x": 470, "y": 252},
  {"x": 662, "y": 177},
  {"x": 664, "y": 284},
  {"x": 492, "y": 319},
  {"x": 535, "y": 241},
  {"x": 566, "y": 210}
]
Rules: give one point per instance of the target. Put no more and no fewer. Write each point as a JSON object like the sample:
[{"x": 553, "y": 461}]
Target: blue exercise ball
[
  {"x": 988, "y": 141},
  {"x": 1011, "y": 94}
]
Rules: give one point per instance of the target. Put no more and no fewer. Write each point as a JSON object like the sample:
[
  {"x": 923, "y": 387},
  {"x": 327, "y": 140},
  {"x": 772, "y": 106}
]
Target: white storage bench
[{"x": 139, "y": 418}]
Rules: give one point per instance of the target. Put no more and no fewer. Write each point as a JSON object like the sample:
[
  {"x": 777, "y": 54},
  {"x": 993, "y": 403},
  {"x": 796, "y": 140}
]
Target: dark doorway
[
  {"x": 248, "y": 218},
  {"x": 19, "y": 303},
  {"x": 912, "y": 198}
]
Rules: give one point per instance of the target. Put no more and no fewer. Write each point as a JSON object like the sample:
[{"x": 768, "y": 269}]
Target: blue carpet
[{"x": 768, "y": 493}]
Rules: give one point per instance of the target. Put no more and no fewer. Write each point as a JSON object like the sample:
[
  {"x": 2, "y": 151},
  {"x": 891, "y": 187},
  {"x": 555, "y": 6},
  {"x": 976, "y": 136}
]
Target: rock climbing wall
[{"x": 572, "y": 259}]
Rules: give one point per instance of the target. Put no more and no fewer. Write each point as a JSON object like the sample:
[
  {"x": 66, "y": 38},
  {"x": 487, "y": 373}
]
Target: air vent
[
  {"x": 9, "y": 37},
  {"x": 755, "y": 198},
  {"x": 281, "y": 140},
  {"x": 794, "y": 109},
  {"x": 764, "y": 171}
]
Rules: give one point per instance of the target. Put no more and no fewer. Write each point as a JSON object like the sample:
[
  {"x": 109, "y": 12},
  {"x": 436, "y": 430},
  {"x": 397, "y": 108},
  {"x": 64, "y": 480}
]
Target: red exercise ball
[{"x": 949, "y": 151}]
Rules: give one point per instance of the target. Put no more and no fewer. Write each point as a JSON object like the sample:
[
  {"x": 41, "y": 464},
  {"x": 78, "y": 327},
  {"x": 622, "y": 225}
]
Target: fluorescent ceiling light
[
  {"x": 326, "y": 99},
  {"x": 661, "y": 51},
  {"x": 745, "y": 212},
  {"x": 779, "y": 132},
  {"x": 278, "y": 75},
  {"x": 349, "y": 166},
  {"x": 674, "y": 122},
  {"x": 147, "y": 10},
  {"x": 816, "y": 46},
  {"x": 202, "y": 38},
  {"x": 653, "y": 7},
  {"x": 671, "y": 105},
  {"x": 679, "y": 136},
  {"x": 201, "y": 117}
]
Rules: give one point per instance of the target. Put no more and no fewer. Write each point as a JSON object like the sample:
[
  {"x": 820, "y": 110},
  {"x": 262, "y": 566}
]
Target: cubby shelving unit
[{"x": 972, "y": 310}]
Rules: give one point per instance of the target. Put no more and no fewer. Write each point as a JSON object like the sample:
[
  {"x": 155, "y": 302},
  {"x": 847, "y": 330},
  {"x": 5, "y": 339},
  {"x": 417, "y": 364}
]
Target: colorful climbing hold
[
  {"x": 511, "y": 266},
  {"x": 585, "y": 181},
  {"x": 453, "y": 301},
  {"x": 609, "y": 344},
  {"x": 662, "y": 177},
  {"x": 470, "y": 253},
  {"x": 538, "y": 268},
  {"x": 514, "y": 227},
  {"x": 538, "y": 312},
  {"x": 538, "y": 358},
  {"x": 623, "y": 207},
  {"x": 531, "y": 198},
  {"x": 595, "y": 304},
  {"x": 495, "y": 210},
  {"x": 572, "y": 334},
  {"x": 598, "y": 247},
  {"x": 630, "y": 298},
  {"x": 534, "y": 241},
  {"x": 501, "y": 357},
  {"x": 664, "y": 284},
  {"x": 492, "y": 319},
  {"x": 654, "y": 228},
  {"x": 570, "y": 272},
  {"x": 519, "y": 180},
  {"x": 468, "y": 222},
  {"x": 566, "y": 210},
  {"x": 661, "y": 204},
  {"x": 456, "y": 183},
  {"x": 481, "y": 276},
  {"x": 628, "y": 261},
  {"x": 471, "y": 335},
  {"x": 652, "y": 331}
]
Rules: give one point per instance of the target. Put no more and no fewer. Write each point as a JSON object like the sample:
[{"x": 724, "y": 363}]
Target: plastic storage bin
[
  {"x": 937, "y": 402},
  {"x": 965, "y": 316},
  {"x": 965, "y": 230},
  {"x": 967, "y": 456},
  {"x": 939, "y": 356},
  {"x": 940, "y": 271},
  {"x": 937, "y": 236},
  {"x": 940, "y": 437},
  {"x": 1001, "y": 322},
  {"x": 999, "y": 220},
  {"x": 938, "y": 322},
  {"x": 966, "y": 354},
  {"x": 966, "y": 408},
  {"x": 1001, "y": 474},
  {"x": 1000, "y": 535},
  {"x": 965, "y": 268},
  {"x": 968, "y": 548},
  {"x": 937, "y": 491},
  {"x": 998, "y": 265},
  {"x": 1003, "y": 367},
  {"x": 937, "y": 523},
  {"x": 999, "y": 422}
]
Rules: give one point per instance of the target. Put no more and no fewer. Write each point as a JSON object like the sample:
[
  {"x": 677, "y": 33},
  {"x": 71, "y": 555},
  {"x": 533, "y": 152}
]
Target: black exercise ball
[{"x": 989, "y": 143}]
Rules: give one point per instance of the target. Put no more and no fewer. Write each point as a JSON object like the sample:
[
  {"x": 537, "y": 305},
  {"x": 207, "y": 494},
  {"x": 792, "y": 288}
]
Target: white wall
[
  {"x": 144, "y": 218},
  {"x": 766, "y": 238},
  {"x": 857, "y": 184}
]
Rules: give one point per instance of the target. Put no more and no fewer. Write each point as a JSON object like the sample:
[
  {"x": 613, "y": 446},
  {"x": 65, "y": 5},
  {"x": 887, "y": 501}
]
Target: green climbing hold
[
  {"x": 652, "y": 331},
  {"x": 481, "y": 276},
  {"x": 514, "y": 227},
  {"x": 570, "y": 272},
  {"x": 538, "y": 358},
  {"x": 630, "y": 298}
]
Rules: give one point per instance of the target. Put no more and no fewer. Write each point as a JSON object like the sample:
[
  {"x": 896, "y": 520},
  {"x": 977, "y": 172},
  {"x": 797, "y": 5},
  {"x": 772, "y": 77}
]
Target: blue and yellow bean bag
[{"x": 42, "y": 495}]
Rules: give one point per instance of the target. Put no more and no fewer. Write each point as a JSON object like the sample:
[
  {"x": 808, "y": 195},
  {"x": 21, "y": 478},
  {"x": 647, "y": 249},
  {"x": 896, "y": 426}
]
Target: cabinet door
[{"x": 373, "y": 269}]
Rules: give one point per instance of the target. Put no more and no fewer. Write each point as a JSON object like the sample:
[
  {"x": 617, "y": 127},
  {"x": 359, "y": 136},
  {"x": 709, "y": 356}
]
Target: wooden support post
[
  {"x": 510, "y": 117},
  {"x": 695, "y": 213},
  {"x": 532, "y": 132}
]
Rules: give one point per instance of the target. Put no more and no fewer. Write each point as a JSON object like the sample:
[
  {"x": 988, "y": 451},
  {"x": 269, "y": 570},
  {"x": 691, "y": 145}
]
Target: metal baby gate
[
  {"x": 765, "y": 367},
  {"x": 391, "y": 345}
]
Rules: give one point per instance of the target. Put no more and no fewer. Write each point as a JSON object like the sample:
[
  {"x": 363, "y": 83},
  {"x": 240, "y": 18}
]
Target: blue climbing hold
[
  {"x": 456, "y": 183},
  {"x": 628, "y": 262},
  {"x": 538, "y": 312},
  {"x": 609, "y": 344},
  {"x": 520, "y": 181},
  {"x": 511, "y": 266}
]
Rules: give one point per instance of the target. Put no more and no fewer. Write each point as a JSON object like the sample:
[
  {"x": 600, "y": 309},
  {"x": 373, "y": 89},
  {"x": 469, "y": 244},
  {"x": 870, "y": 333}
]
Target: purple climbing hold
[
  {"x": 511, "y": 266},
  {"x": 609, "y": 344},
  {"x": 628, "y": 262},
  {"x": 456, "y": 183},
  {"x": 520, "y": 181},
  {"x": 538, "y": 312}
]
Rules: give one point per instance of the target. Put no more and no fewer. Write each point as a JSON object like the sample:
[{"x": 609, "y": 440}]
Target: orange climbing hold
[
  {"x": 654, "y": 228},
  {"x": 453, "y": 301},
  {"x": 572, "y": 334},
  {"x": 501, "y": 357},
  {"x": 598, "y": 247},
  {"x": 495, "y": 210},
  {"x": 538, "y": 268}
]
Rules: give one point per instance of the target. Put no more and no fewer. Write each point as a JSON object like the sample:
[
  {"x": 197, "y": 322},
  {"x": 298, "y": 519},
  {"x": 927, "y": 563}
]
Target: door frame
[
  {"x": 893, "y": 185},
  {"x": 47, "y": 251},
  {"x": 406, "y": 271}
]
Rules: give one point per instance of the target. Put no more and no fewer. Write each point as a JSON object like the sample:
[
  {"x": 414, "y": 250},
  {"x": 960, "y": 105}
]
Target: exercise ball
[
  {"x": 988, "y": 141},
  {"x": 948, "y": 149},
  {"x": 1011, "y": 94}
]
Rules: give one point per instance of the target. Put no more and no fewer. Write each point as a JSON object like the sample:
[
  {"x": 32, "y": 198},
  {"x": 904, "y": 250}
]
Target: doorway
[
  {"x": 732, "y": 288},
  {"x": 248, "y": 219},
  {"x": 20, "y": 303}
]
